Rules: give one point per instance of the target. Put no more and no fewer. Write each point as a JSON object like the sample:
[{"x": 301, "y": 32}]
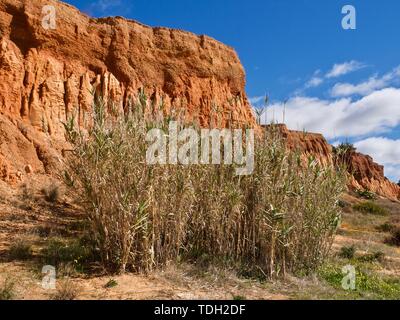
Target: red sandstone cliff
[
  {"x": 365, "y": 173},
  {"x": 369, "y": 175},
  {"x": 47, "y": 75}
]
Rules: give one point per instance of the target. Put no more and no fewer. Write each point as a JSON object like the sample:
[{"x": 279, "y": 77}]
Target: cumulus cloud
[
  {"x": 384, "y": 151},
  {"x": 377, "y": 112},
  {"x": 392, "y": 172},
  {"x": 355, "y": 111},
  {"x": 342, "y": 69},
  {"x": 367, "y": 87},
  {"x": 337, "y": 70}
]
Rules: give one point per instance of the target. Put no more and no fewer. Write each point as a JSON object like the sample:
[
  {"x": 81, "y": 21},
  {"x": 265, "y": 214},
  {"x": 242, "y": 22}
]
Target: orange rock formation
[
  {"x": 47, "y": 75},
  {"x": 365, "y": 173}
]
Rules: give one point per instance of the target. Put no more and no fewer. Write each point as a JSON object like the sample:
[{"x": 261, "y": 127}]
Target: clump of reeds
[{"x": 279, "y": 219}]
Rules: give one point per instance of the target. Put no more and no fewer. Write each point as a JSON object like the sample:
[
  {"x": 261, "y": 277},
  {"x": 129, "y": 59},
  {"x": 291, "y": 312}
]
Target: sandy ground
[{"x": 24, "y": 213}]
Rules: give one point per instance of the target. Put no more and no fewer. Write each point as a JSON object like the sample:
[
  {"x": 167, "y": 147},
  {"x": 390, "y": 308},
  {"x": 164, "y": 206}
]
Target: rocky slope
[{"x": 48, "y": 75}]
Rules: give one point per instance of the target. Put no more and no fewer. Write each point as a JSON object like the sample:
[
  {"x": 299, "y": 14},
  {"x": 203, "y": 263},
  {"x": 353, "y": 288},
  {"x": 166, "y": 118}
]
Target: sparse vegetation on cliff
[{"x": 280, "y": 219}]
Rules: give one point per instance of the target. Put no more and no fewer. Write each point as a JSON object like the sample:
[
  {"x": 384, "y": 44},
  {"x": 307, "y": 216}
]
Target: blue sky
[{"x": 342, "y": 83}]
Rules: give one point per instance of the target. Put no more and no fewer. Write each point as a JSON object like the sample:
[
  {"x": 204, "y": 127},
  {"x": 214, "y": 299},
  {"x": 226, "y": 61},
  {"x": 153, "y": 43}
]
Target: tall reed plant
[{"x": 282, "y": 218}]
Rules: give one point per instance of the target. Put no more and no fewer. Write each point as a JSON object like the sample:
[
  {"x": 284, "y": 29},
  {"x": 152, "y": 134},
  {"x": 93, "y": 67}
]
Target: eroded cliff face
[
  {"x": 310, "y": 144},
  {"x": 365, "y": 174},
  {"x": 46, "y": 76}
]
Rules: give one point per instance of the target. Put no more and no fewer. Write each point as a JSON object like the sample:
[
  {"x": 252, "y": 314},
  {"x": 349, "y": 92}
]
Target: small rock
[
  {"x": 19, "y": 175},
  {"x": 28, "y": 169}
]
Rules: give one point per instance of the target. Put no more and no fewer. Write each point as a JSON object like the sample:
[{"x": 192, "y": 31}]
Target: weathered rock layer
[
  {"x": 48, "y": 75},
  {"x": 366, "y": 174}
]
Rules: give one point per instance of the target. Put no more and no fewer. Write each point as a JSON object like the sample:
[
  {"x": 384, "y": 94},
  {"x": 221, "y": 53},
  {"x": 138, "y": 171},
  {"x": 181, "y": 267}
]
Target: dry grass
[
  {"x": 7, "y": 289},
  {"x": 52, "y": 193},
  {"x": 66, "y": 290},
  {"x": 20, "y": 249}
]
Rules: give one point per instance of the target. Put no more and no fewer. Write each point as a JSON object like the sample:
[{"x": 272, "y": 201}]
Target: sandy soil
[{"x": 24, "y": 214}]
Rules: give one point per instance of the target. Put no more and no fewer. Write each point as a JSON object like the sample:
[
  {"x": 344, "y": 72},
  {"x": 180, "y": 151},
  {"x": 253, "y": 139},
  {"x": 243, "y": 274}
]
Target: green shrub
[
  {"x": 368, "y": 284},
  {"x": 378, "y": 256},
  {"x": 281, "y": 218},
  {"x": 239, "y": 298},
  {"x": 370, "y": 207},
  {"x": 347, "y": 252},
  {"x": 20, "y": 250},
  {"x": 60, "y": 252},
  {"x": 111, "y": 284},
  {"x": 366, "y": 194},
  {"x": 344, "y": 148},
  {"x": 386, "y": 227}
]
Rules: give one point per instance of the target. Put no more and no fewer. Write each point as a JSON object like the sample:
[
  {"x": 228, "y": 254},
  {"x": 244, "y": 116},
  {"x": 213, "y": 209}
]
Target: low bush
[
  {"x": 111, "y": 284},
  {"x": 27, "y": 193},
  {"x": 366, "y": 194},
  {"x": 370, "y": 207},
  {"x": 66, "y": 290},
  {"x": 347, "y": 252},
  {"x": 394, "y": 238},
  {"x": 60, "y": 252},
  {"x": 378, "y": 256},
  {"x": 386, "y": 227},
  {"x": 20, "y": 250},
  {"x": 51, "y": 193}
]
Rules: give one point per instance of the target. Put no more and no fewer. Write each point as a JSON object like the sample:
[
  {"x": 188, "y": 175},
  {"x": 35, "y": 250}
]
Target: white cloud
[
  {"x": 342, "y": 69},
  {"x": 384, "y": 151},
  {"x": 356, "y": 111},
  {"x": 392, "y": 172},
  {"x": 377, "y": 112},
  {"x": 314, "y": 82},
  {"x": 337, "y": 70},
  {"x": 367, "y": 87}
]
